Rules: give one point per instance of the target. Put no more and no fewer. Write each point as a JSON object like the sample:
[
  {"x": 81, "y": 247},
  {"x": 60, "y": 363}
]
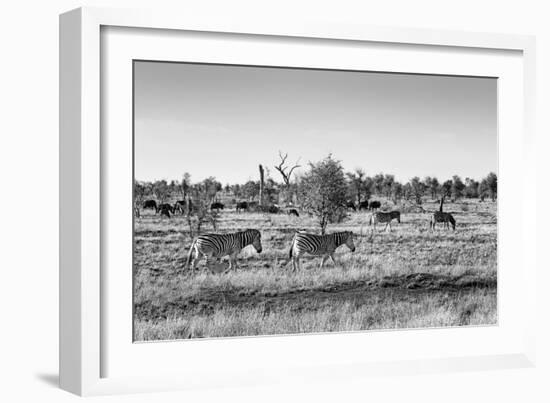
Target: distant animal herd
[
  {"x": 212, "y": 247},
  {"x": 166, "y": 209}
]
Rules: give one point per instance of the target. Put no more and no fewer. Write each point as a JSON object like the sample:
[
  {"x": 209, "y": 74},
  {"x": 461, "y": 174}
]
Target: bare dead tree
[
  {"x": 261, "y": 185},
  {"x": 286, "y": 171}
]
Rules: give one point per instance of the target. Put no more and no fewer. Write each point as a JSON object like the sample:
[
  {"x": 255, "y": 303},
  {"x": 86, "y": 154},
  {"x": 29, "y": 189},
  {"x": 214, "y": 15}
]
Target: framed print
[{"x": 238, "y": 196}]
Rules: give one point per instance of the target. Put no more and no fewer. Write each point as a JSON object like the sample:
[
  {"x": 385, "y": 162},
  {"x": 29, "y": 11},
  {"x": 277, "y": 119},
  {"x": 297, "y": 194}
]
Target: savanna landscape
[
  {"x": 409, "y": 277},
  {"x": 247, "y": 178}
]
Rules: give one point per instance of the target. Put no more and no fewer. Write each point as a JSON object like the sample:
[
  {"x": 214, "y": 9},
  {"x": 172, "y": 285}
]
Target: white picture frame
[{"x": 96, "y": 356}]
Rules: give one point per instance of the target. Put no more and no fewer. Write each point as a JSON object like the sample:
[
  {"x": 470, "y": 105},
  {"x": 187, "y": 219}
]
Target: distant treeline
[{"x": 359, "y": 187}]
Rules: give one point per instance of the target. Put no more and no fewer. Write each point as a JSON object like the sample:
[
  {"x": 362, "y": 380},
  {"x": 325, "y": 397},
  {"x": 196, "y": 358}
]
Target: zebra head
[
  {"x": 349, "y": 241},
  {"x": 256, "y": 239}
]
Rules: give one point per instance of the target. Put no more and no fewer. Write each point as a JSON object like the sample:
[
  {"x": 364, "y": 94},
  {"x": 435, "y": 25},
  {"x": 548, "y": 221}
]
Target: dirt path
[{"x": 404, "y": 287}]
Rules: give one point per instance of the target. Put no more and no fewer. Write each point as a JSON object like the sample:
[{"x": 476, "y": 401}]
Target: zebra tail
[{"x": 190, "y": 254}]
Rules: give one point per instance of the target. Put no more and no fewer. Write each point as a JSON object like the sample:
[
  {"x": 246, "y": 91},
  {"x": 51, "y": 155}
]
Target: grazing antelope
[
  {"x": 165, "y": 209},
  {"x": 373, "y": 205},
  {"x": 242, "y": 206},
  {"x": 384, "y": 217},
  {"x": 364, "y": 205},
  {"x": 351, "y": 205},
  {"x": 150, "y": 204},
  {"x": 445, "y": 218},
  {"x": 318, "y": 245},
  {"x": 217, "y": 206},
  {"x": 179, "y": 206},
  {"x": 294, "y": 212},
  {"x": 216, "y": 246}
]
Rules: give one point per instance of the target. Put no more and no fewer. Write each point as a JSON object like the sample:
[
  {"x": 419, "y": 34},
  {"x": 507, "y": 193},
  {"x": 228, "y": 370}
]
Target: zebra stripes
[
  {"x": 445, "y": 218},
  {"x": 216, "y": 246},
  {"x": 213, "y": 247},
  {"x": 318, "y": 245},
  {"x": 384, "y": 217}
]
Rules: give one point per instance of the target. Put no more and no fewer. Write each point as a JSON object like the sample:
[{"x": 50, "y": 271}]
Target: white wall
[{"x": 28, "y": 165}]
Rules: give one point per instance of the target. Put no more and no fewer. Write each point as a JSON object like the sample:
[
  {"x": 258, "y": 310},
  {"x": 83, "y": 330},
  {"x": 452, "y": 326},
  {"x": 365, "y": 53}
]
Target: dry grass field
[{"x": 408, "y": 278}]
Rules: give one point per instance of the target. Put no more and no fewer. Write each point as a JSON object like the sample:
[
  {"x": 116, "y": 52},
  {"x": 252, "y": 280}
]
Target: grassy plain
[{"x": 408, "y": 278}]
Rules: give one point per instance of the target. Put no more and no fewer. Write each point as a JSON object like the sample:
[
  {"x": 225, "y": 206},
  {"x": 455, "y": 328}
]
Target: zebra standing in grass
[
  {"x": 445, "y": 218},
  {"x": 384, "y": 217},
  {"x": 216, "y": 246},
  {"x": 318, "y": 245}
]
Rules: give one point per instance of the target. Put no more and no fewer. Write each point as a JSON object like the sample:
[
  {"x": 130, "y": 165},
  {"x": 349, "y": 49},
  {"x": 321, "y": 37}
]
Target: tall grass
[{"x": 411, "y": 277}]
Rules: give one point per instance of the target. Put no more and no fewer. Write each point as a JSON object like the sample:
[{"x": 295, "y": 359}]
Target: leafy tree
[
  {"x": 378, "y": 183},
  {"x": 471, "y": 190},
  {"x": 140, "y": 191},
  {"x": 457, "y": 188},
  {"x": 271, "y": 190},
  {"x": 492, "y": 184},
  {"x": 427, "y": 182},
  {"x": 359, "y": 186},
  {"x": 432, "y": 184},
  {"x": 446, "y": 188},
  {"x": 417, "y": 188},
  {"x": 488, "y": 187},
  {"x": 250, "y": 189},
  {"x": 407, "y": 191},
  {"x": 200, "y": 196},
  {"x": 434, "y": 187},
  {"x": 185, "y": 184},
  {"x": 396, "y": 191},
  {"x": 236, "y": 190},
  {"x": 211, "y": 187},
  {"x": 323, "y": 191},
  {"x": 161, "y": 190},
  {"x": 387, "y": 184}
]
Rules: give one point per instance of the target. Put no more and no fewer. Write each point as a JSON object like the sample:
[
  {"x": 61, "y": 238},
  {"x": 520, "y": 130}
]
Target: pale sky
[{"x": 222, "y": 121}]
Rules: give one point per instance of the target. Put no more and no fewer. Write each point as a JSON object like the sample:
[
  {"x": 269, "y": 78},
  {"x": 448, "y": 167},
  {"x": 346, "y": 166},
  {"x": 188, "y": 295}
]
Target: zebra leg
[
  {"x": 332, "y": 258},
  {"x": 233, "y": 261},
  {"x": 196, "y": 258},
  {"x": 230, "y": 263},
  {"x": 323, "y": 260}
]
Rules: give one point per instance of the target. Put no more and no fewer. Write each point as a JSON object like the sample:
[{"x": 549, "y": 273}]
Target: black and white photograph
[{"x": 278, "y": 201}]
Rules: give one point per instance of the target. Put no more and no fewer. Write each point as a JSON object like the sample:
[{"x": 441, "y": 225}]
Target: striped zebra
[
  {"x": 318, "y": 245},
  {"x": 384, "y": 217},
  {"x": 216, "y": 246},
  {"x": 445, "y": 218}
]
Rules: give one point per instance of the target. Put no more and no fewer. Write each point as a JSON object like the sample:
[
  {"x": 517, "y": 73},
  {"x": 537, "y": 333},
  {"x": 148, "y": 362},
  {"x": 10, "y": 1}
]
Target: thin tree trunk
[{"x": 261, "y": 185}]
